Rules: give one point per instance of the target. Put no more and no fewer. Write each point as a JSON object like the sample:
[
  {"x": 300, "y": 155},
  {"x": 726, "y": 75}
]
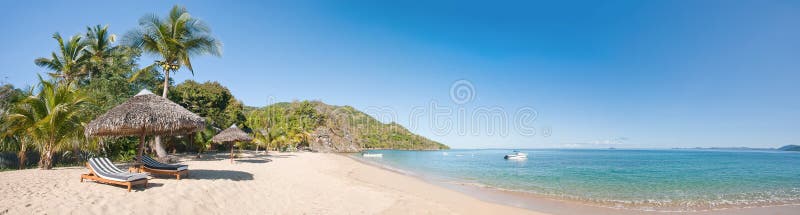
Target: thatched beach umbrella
[
  {"x": 145, "y": 114},
  {"x": 231, "y": 135}
]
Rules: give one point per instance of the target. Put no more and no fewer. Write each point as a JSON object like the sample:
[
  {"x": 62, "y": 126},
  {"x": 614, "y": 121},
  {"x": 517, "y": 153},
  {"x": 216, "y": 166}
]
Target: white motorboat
[
  {"x": 516, "y": 156},
  {"x": 371, "y": 155}
]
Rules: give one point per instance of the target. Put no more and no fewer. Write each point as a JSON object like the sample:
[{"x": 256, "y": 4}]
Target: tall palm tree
[
  {"x": 50, "y": 118},
  {"x": 70, "y": 63},
  {"x": 174, "y": 39},
  {"x": 99, "y": 48}
]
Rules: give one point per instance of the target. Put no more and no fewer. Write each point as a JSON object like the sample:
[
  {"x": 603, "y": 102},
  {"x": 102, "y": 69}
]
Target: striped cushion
[
  {"x": 103, "y": 168},
  {"x": 154, "y": 164}
]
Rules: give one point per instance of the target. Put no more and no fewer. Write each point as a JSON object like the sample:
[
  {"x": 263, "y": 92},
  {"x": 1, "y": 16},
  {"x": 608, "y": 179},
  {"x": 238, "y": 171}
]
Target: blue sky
[{"x": 642, "y": 74}]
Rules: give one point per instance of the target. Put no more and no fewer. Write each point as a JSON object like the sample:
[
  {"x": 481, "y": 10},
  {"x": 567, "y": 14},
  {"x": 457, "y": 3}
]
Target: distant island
[
  {"x": 795, "y": 148},
  {"x": 332, "y": 128},
  {"x": 783, "y": 148}
]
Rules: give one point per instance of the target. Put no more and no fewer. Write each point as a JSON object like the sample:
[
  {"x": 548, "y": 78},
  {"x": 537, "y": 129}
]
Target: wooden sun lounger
[
  {"x": 151, "y": 166},
  {"x": 94, "y": 177},
  {"x": 177, "y": 174}
]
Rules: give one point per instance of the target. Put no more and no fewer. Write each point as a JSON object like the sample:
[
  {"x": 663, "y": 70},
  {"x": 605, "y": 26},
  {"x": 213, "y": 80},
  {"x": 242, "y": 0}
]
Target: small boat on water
[
  {"x": 516, "y": 156},
  {"x": 371, "y": 155}
]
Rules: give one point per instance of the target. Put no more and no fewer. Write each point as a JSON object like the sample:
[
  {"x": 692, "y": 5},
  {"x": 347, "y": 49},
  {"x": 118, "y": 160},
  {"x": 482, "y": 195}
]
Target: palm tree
[
  {"x": 51, "y": 118},
  {"x": 11, "y": 138},
  {"x": 280, "y": 141},
  {"x": 70, "y": 63},
  {"x": 174, "y": 39},
  {"x": 262, "y": 138},
  {"x": 203, "y": 139},
  {"x": 99, "y": 48}
]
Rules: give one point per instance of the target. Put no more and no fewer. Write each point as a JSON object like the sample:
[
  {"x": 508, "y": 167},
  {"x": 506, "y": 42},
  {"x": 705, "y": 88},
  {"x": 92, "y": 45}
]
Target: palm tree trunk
[
  {"x": 231, "y": 152},
  {"x": 21, "y": 155},
  {"x": 162, "y": 154},
  {"x": 159, "y": 148},
  {"x": 141, "y": 146},
  {"x": 166, "y": 83},
  {"x": 76, "y": 150},
  {"x": 47, "y": 158}
]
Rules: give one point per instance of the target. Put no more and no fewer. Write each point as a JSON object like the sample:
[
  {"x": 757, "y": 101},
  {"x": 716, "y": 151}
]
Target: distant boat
[
  {"x": 444, "y": 153},
  {"x": 516, "y": 156},
  {"x": 368, "y": 155}
]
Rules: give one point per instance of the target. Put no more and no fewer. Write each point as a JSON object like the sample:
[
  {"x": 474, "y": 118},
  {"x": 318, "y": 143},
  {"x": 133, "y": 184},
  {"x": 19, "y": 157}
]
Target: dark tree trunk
[
  {"x": 47, "y": 159},
  {"x": 76, "y": 152},
  {"x": 22, "y": 156}
]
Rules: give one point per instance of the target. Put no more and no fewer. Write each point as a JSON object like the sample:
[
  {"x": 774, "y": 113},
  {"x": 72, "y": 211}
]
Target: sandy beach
[{"x": 279, "y": 183}]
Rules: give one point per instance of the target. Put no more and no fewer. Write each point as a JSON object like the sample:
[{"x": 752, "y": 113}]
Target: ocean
[{"x": 652, "y": 180}]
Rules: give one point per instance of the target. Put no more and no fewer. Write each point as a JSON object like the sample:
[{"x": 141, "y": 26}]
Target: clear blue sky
[{"x": 599, "y": 74}]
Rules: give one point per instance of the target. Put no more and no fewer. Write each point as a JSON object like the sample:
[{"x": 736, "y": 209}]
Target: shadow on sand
[
  {"x": 212, "y": 157},
  {"x": 136, "y": 188},
  {"x": 245, "y": 154},
  {"x": 279, "y": 156},
  {"x": 207, "y": 174},
  {"x": 254, "y": 160}
]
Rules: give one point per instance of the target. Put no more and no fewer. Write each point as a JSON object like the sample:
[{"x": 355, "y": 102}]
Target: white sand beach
[
  {"x": 282, "y": 183},
  {"x": 279, "y": 183}
]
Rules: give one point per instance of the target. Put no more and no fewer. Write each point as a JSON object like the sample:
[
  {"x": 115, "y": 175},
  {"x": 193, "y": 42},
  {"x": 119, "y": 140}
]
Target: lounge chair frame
[
  {"x": 177, "y": 173},
  {"x": 92, "y": 176}
]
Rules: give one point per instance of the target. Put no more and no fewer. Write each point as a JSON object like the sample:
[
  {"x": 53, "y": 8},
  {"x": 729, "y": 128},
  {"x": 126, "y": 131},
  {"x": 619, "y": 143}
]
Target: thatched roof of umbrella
[
  {"x": 148, "y": 114},
  {"x": 232, "y": 134}
]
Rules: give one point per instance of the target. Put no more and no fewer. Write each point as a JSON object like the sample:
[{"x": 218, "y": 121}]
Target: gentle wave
[
  {"x": 745, "y": 200},
  {"x": 778, "y": 184}
]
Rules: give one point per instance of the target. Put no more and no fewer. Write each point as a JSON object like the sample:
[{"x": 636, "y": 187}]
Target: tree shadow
[
  {"x": 207, "y": 174},
  {"x": 137, "y": 188},
  {"x": 255, "y": 160},
  {"x": 212, "y": 157},
  {"x": 280, "y": 156}
]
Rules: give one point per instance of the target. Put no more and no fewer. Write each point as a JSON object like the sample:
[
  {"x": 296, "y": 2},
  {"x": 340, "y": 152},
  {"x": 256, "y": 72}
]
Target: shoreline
[
  {"x": 278, "y": 183},
  {"x": 555, "y": 205}
]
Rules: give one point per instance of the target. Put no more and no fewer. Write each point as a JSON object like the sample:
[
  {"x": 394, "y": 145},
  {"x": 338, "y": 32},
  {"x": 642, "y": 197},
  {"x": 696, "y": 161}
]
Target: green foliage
[
  {"x": 210, "y": 100},
  {"x": 92, "y": 75},
  {"x": 90, "y": 69},
  {"x": 287, "y": 125},
  {"x": 69, "y": 64},
  {"x": 96, "y": 72},
  {"x": 175, "y": 39},
  {"x": 51, "y": 119},
  {"x": 12, "y": 138}
]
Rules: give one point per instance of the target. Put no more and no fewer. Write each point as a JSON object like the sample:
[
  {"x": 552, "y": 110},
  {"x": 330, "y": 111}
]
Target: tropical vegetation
[
  {"x": 175, "y": 39},
  {"x": 92, "y": 72},
  {"x": 291, "y": 125}
]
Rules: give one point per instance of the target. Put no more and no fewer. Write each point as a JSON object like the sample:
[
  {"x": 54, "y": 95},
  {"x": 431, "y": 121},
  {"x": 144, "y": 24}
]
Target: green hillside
[{"x": 329, "y": 128}]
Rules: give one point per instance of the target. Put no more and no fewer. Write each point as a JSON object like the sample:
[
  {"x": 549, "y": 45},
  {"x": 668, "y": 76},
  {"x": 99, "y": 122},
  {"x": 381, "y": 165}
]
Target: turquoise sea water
[{"x": 668, "y": 180}]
